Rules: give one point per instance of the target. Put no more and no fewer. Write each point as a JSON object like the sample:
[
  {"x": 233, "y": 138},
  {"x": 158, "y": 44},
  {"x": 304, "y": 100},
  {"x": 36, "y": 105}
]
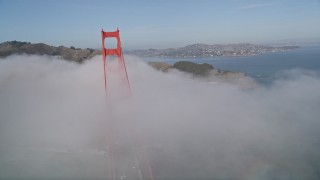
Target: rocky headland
[{"x": 207, "y": 73}]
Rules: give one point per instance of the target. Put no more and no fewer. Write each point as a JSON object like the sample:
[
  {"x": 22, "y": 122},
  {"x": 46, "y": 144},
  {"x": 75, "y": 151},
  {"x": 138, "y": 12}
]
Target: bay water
[{"x": 264, "y": 68}]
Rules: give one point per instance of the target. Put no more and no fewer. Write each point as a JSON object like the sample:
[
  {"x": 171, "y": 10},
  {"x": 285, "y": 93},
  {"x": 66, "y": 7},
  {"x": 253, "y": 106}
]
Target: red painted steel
[{"x": 113, "y": 52}]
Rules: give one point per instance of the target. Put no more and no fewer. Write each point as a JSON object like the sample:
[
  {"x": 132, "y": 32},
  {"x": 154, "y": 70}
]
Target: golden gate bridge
[{"x": 129, "y": 161}]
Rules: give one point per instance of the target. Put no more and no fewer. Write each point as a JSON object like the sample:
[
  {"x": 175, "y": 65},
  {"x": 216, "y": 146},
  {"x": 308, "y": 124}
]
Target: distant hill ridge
[
  {"x": 73, "y": 54},
  {"x": 206, "y": 71},
  {"x": 194, "y": 50},
  {"x": 205, "y": 50}
]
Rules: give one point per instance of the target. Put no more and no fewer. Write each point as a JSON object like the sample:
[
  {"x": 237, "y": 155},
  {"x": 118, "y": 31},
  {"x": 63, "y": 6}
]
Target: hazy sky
[{"x": 159, "y": 24}]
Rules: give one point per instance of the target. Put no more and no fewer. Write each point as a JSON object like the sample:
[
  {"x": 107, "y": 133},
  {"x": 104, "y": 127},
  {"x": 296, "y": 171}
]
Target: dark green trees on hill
[
  {"x": 18, "y": 43},
  {"x": 194, "y": 68}
]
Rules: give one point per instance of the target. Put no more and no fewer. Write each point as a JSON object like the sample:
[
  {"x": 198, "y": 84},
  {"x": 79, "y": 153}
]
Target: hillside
[{"x": 73, "y": 54}]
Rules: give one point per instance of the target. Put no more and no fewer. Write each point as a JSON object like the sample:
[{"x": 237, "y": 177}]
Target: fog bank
[{"x": 55, "y": 119}]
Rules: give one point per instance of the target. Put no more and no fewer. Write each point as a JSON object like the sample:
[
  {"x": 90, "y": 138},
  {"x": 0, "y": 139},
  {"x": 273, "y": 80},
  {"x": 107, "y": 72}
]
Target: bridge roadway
[{"x": 127, "y": 155}]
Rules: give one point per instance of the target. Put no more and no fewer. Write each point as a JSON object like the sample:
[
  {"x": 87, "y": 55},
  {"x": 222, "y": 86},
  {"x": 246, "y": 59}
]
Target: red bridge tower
[{"x": 113, "y": 52}]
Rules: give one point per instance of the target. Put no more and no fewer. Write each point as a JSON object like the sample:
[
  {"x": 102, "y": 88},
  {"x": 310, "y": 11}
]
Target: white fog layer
[{"x": 54, "y": 120}]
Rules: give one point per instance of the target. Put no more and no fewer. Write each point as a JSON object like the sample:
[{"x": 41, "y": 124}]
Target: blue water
[{"x": 262, "y": 67}]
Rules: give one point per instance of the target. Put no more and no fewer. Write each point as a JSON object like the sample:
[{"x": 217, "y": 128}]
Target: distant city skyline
[{"x": 159, "y": 24}]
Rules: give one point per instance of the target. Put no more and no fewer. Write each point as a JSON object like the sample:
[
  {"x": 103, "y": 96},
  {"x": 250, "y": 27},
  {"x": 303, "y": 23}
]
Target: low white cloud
[{"x": 55, "y": 123}]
